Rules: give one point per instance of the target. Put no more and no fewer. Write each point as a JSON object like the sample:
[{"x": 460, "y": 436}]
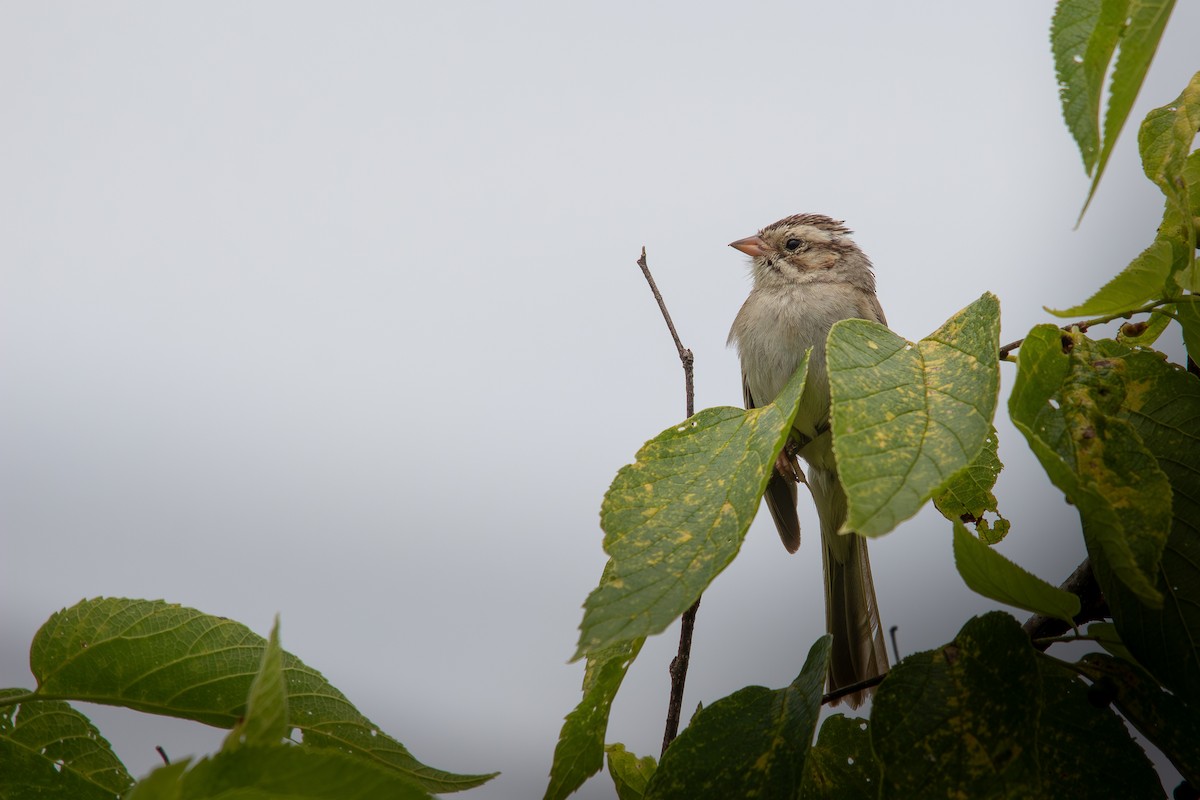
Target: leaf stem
[{"x": 1149, "y": 308}]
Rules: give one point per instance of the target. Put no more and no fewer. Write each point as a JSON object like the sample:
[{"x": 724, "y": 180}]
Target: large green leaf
[
  {"x": 840, "y": 765},
  {"x": 1162, "y": 404},
  {"x": 981, "y": 718},
  {"x": 1160, "y": 716},
  {"x": 907, "y": 417},
  {"x": 967, "y": 496},
  {"x": 752, "y": 743},
  {"x": 994, "y": 576},
  {"x": 579, "y": 753},
  {"x": 630, "y": 774},
  {"x": 676, "y": 517},
  {"x": 48, "y": 749},
  {"x": 281, "y": 772},
  {"x": 165, "y": 659},
  {"x": 1066, "y": 400},
  {"x": 1084, "y": 36},
  {"x": 1085, "y": 752}
]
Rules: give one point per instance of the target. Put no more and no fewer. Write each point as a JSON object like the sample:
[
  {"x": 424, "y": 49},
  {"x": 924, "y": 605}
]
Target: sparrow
[{"x": 808, "y": 274}]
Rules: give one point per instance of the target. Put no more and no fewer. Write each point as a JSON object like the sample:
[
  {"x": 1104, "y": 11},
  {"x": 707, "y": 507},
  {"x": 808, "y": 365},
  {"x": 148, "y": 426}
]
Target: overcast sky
[{"x": 331, "y": 310}]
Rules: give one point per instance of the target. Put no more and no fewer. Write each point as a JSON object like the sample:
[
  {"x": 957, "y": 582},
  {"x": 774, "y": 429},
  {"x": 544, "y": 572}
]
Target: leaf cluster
[{"x": 1115, "y": 426}]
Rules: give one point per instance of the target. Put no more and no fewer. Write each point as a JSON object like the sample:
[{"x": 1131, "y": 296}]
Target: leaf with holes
[
  {"x": 1067, "y": 401},
  {"x": 907, "y": 417},
  {"x": 967, "y": 496}
]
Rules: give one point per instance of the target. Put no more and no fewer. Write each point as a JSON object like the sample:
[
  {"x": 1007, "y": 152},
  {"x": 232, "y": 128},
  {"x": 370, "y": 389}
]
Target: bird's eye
[{"x": 793, "y": 244}]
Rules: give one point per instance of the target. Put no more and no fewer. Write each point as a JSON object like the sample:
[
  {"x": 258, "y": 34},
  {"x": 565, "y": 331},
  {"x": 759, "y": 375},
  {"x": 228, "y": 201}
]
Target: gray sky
[{"x": 331, "y": 310}]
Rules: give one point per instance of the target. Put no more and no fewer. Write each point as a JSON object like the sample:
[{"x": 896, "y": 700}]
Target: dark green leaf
[
  {"x": 1085, "y": 752},
  {"x": 1162, "y": 404},
  {"x": 48, "y": 749},
  {"x": 1188, "y": 315},
  {"x": 676, "y": 517},
  {"x": 1161, "y": 717},
  {"x": 630, "y": 774},
  {"x": 165, "y": 659},
  {"x": 840, "y": 765},
  {"x": 994, "y": 576},
  {"x": 266, "y": 720},
  {"x": 1068, "y": 407},
  {"x": 579, "y": 753},
  {"x": 907, "y": 417},
  {"x": 968, "y": 497},
  {"x": 281, "y": 772},
  {"x": 752, "y": 743},
  {"x": 982, "y": 718},
  {"x": 958, "y": 721}
]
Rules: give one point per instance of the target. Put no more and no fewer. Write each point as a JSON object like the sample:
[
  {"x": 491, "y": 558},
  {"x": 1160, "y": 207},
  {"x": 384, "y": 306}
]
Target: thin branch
[
  {"x": 853, "y": 688},
  {"x": 1083, "y": 325},
  {"x": 1092, "y": 607},
  {"x": 679, "y": 664},
  {"x": 685, "y": 355}
]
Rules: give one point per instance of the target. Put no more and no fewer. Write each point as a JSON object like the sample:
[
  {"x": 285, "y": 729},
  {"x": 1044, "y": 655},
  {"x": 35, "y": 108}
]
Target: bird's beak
[{"x": 751, "y": 246}]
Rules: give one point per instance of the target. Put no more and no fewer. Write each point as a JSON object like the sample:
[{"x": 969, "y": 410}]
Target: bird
[{"x": 808, "y": 274}]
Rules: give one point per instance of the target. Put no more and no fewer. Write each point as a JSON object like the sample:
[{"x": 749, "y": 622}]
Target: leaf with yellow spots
[
  {"x": 1067, "y": 400},
  {"x": 967, "y": 496},
  {"x": 676, "y": 517},
  {"x": 753, "y": 743},
  {"x": 907, "y": 417},
  {"x": 982, "y": 717}
]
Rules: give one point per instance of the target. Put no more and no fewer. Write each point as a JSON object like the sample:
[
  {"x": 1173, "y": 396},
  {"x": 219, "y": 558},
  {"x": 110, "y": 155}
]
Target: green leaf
[
  {"x": 752, "y": 743},
  {"x": 48, "y": 749},
  {"x": 907, "y": 417},
  {"x": 1165, "y": 142},
  {"x": 1084, "y": 36},
  {"x": 1067, "y": 404},
  {"x": 840, "y": 765},
  {"x": 967, "y": 496},
  {"x": 630, "y": 774},
  {"x": 579, "y": 753},
  {"x": 982, "y": 718},
  {"x": 266, "y": 720},
  {"x": 992, "y": 575},
  {"x": 281, "y": 772},
  {"x": 162, "y": 658},
  {"x": 1137, "y": 284},
  {"x": 1107, "y": 637},
  {"x": 1162, "y": 404},
  {"x": 676, "y": 517},
  {"x": 1085, "y": 752},
  {"x": 1160, "y": 716}
]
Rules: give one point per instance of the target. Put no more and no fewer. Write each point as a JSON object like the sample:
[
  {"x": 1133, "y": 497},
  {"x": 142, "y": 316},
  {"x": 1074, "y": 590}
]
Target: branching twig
[
  {"x": 852, "y": 689},
  {"x": 1083, "y": 325},
  {"x": 1092, "y": 606},
  {"x": 679, "y": 664}
]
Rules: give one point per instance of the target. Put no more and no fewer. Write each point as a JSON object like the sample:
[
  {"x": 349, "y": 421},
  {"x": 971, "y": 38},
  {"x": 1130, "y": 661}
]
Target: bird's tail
[{"x": 851, "y": 612}]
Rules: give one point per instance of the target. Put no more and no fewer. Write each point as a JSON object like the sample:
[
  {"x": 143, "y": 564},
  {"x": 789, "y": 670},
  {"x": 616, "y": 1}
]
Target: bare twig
[
  {"x": 679, "y": 664},
  {"x": 1092, "y": 606}
]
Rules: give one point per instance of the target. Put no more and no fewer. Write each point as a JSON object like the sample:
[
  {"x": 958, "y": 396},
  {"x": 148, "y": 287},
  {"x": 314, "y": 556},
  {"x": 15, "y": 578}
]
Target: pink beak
[{"x": 751, "y": 246}]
